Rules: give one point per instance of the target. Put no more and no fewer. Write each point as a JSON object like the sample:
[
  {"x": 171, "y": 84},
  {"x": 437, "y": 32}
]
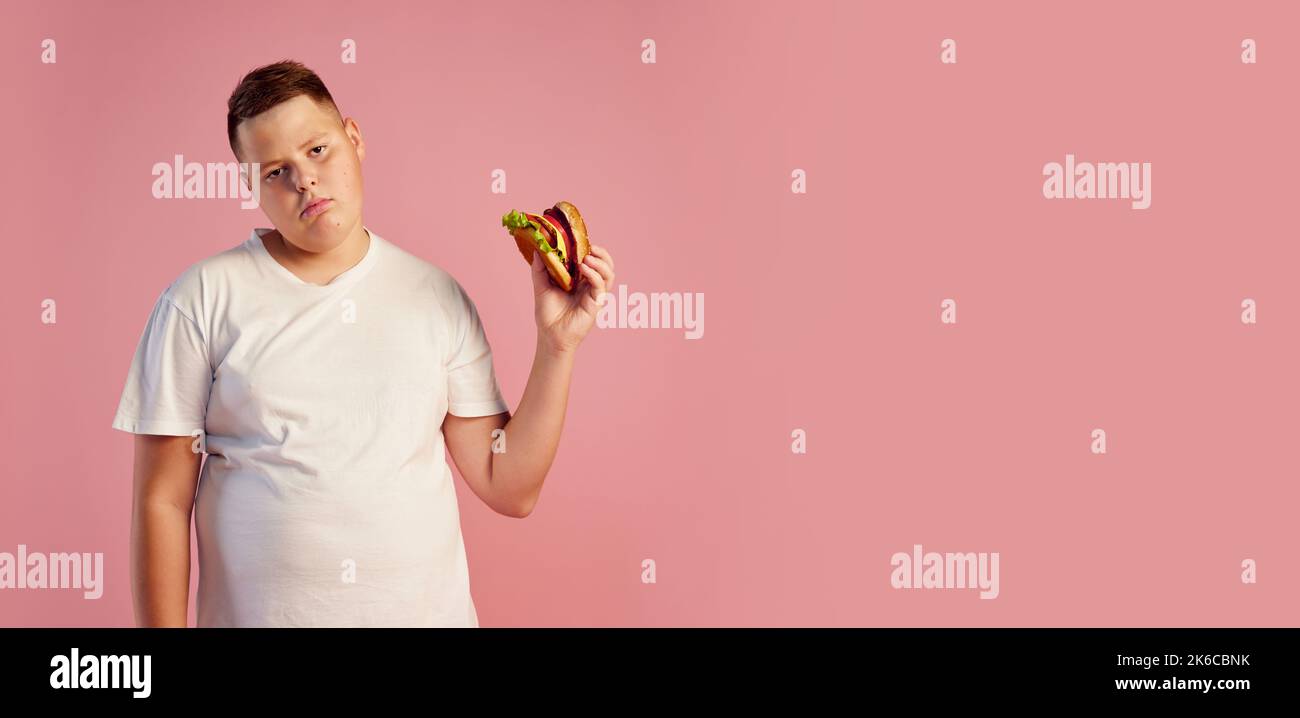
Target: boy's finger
[
  {"x": 596, "y": 281},
  {"x": 538, "y": 270},
  {"x": 604, "y": 254},
  {"x": 604, "y": 268}
]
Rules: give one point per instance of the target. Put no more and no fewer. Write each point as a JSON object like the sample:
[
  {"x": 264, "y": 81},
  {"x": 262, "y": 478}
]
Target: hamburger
[{"x": 558, "y": 233}]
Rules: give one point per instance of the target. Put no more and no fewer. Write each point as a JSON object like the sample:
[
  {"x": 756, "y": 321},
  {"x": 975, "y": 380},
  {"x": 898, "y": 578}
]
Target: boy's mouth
[{"x": 315, "y": 207}]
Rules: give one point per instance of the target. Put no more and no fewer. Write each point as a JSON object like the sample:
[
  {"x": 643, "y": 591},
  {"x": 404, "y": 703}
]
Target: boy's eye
[{"x": 273, "y": 173}]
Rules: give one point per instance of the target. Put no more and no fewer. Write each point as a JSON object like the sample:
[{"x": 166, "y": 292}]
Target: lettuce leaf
[{"x": 517, "y": 220}]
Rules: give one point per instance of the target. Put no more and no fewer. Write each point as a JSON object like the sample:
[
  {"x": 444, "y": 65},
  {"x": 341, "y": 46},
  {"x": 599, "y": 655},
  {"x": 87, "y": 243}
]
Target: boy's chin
[
  {"x": 322, "y": 225},
  {"x": 318, "y": 236}
]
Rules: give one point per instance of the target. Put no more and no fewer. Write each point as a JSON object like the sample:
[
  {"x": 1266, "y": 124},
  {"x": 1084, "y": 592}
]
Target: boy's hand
[{"x": 564, "y": 319}]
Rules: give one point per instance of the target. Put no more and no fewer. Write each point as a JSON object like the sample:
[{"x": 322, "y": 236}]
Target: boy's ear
[
  {"x": 246, "y": 173},
  {"x": 353, "y": 131}
]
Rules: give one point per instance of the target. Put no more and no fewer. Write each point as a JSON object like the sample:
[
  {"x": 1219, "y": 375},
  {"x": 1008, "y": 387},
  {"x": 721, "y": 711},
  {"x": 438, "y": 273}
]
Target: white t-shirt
[{"x": 326, "y": 498}]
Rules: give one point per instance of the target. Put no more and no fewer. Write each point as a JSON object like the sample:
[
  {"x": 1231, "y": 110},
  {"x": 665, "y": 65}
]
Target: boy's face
[{"x": 305, "y": 155}]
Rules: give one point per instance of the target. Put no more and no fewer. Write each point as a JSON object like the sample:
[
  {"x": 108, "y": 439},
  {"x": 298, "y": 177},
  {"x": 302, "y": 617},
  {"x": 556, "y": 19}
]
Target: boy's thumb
[{"x": 539, "y": 272}]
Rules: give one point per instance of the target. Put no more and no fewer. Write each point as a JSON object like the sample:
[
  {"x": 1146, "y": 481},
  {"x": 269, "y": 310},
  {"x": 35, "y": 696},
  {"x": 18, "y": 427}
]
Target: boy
[{"x": 323, "y": 369}]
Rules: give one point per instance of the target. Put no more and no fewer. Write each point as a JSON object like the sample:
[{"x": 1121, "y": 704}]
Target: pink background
[{"x": 822, "y": 310}]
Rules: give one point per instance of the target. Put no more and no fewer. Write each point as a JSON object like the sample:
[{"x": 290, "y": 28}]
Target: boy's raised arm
[{"x": 510, "y": 481}]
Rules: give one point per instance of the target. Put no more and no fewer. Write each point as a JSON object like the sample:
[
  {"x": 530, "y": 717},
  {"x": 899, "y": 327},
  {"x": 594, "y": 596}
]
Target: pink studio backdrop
[{"x": 924, "y": 183}]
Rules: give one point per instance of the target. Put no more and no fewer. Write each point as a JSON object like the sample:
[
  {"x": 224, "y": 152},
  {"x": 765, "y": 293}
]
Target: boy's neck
[{"x": 319, "y": 268}]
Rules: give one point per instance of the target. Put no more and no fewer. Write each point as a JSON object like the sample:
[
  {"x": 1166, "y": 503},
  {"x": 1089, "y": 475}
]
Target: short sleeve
[
  {"x": 472, "y": 388},
  {"x": 170, "y": 377}
]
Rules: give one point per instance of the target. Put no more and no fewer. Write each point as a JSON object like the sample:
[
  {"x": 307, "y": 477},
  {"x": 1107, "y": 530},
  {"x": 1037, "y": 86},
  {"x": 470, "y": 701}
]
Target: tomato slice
[
  {"x": 563, "y": 229},
  {"x": 547, "y": 230}
]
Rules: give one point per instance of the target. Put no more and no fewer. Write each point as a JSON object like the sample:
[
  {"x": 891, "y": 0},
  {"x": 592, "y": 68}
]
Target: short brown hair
[{"x": 268, "y": 86}]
